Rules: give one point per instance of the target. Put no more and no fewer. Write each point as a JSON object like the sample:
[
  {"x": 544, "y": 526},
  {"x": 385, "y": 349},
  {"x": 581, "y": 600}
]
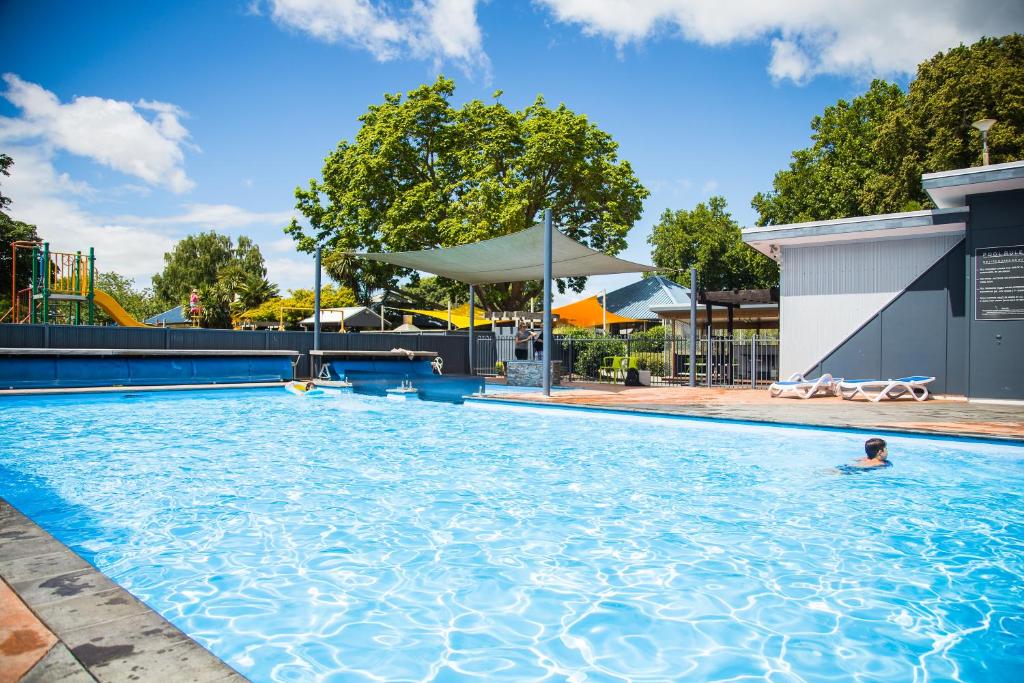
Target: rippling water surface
[{"x": 357, "y": 539}]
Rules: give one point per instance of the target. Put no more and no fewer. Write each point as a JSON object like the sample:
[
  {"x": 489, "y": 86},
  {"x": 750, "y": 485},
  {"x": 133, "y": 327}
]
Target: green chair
[{"x": 610, "y": 368}]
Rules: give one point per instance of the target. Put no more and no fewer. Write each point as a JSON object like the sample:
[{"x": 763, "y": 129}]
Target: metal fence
[
  {"x": 452, "y": 348},
  {"x": 720, "y": 361}
]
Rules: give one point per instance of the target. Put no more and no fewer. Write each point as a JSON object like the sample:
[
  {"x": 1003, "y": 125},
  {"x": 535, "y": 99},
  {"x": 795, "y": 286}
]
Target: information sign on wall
[{"x": 999, "y": 283}]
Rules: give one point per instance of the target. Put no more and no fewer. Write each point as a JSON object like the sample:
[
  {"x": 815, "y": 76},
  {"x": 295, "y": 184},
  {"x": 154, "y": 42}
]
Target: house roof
[
  {"x": 769, "y": 238},
  {"x": 952, "y": 188},
  {"x": 174, "y": 316},
  {"x": 636, "y": 300}
]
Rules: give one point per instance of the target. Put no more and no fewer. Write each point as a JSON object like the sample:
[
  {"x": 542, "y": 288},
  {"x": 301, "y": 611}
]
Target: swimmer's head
[{"x": 876, "y": 448}]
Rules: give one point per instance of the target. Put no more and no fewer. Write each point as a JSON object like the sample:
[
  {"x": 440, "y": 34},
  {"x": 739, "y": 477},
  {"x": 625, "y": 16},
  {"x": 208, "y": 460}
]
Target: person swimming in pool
[{"x": 876, "y": 454}]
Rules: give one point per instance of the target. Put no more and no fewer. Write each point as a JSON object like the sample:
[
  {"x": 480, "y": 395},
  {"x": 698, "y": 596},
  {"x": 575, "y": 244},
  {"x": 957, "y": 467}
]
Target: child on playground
[{"x": 193, "y": 302}]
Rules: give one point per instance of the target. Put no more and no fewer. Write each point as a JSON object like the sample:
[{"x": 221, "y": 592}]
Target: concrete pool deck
[
  {"x": 940, "y": 416},
  {"x": 62, "y": 620}
]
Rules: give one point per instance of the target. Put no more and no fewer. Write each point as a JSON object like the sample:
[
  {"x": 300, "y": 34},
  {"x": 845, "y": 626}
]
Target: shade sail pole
[
  {"x": 472, "y": 327},
  {"x": 693, "y": 327},
  {"x": 316, "y": 303},
  {"x": 547, "y": 302}
]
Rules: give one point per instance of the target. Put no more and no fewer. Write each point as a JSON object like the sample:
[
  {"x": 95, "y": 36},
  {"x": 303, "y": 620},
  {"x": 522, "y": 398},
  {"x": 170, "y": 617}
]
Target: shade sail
[
  {"x": 589, "y": 313},
  {"x": 459, "y": 315},
  {"x": 511, "y": 258}
]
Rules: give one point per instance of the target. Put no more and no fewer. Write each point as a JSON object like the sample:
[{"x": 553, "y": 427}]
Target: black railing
[{"x": 720, "y": 361}]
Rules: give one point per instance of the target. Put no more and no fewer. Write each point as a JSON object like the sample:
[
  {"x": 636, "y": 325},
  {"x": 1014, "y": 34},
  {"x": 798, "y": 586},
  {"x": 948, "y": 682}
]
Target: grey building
[{"x": 936, "y": 292}]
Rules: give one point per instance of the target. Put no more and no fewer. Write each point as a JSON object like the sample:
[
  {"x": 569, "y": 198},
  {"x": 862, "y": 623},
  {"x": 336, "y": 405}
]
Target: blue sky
[{"x": 134, "y": 124}]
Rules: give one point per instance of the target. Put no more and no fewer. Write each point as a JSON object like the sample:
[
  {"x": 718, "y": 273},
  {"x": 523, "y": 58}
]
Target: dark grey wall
[
  {"x": 453, "y": 348},
  {"x": 996, "y": 368},
  {"x": 921, "y": 332}
]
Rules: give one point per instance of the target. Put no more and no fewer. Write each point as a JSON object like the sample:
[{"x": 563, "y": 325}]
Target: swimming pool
[{"x": 358, "y": 539}]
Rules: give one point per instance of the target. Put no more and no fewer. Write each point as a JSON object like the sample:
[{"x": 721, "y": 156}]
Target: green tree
[
  {"x": 963, "y": 85},
  {"x": 707, "y": 237},
  {"x": 424, "y": 174},
  {"x": 13, "y": 231},
  {"x": 867, "y": 155},
  {"x": 435, "y": 292},
  {"x": 298, "y": 305},
  {"x": 229, "y": 278},
  {"x": 140, "y": 303},
  {"x": 194, "y": 263}
]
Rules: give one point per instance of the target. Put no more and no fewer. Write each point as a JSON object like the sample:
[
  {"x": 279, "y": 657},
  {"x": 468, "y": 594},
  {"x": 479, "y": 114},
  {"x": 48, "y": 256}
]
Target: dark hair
[{"x": 873, "y": 447}]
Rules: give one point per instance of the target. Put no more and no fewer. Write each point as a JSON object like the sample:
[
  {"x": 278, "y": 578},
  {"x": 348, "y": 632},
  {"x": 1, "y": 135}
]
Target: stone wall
[{"x": 530, "y": 373}]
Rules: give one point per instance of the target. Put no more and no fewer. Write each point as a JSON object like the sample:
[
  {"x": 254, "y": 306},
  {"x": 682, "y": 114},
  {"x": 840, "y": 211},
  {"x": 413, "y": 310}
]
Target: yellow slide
[{"x": 114, "y": 310}]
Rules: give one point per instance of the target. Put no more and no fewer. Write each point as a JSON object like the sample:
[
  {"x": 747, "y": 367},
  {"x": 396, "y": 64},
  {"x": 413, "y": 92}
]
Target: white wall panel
[{"x": 827, "y": 292}]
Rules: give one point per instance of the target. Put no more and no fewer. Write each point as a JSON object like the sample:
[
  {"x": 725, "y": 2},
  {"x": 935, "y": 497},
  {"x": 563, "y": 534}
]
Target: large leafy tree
[
  {"x": 867, "y": 155},
  {"x": 422, "y": 173},
  {"x": 708, "y": 238},
  {"x": 229, "y": 277},
  {"x": 13, "y": 231}
]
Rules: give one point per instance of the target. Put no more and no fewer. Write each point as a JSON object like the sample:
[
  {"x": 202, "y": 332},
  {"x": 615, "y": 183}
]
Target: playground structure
[{"x": 62, "y": 290}]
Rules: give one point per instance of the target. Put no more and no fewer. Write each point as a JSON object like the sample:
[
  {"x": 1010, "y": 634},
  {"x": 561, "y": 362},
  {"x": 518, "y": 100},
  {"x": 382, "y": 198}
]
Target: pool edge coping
[
  {"x": 107, "y": 389},
  {"x": 680, "y": 415},
  {"x": 160, "y": 646}
]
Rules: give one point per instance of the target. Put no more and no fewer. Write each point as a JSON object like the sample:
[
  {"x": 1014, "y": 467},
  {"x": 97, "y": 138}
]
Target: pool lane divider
[
  {"x": 103, "y": 632},
  {"x": 642, "y": 412}
]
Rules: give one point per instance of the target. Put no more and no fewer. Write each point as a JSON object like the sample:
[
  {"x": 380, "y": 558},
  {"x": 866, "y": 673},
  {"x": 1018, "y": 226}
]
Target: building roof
[
  {"x": 769, "y": 238},
  {"x": 636, "y": 300},
  {"x": 952, "y": 188},
  {"x": 174, "y": 316}
]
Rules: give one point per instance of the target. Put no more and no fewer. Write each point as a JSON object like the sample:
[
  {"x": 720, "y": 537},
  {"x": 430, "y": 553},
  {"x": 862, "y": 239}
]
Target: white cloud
[
  {"x": 709, "y": 186},
  {"x": 439, "y": 30},
  {"x": 808, "y": 37},
  {"x": 38, "y": 195},
  {"x": 217, "y": 216},
  {"x": 130, "y": 245},
  {"x": 111, "y": 132}
]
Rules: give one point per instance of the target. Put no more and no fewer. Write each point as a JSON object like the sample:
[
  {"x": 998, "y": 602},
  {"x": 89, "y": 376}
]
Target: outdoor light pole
[
  {"x": 316, "y": 302},
  {"x": 693, "y": 327},
  {"x": 983, "y": 125},
  {"x": 547, "y": 302}
]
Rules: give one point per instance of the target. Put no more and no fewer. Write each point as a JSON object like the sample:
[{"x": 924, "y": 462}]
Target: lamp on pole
[{"x": 983, "y": 125}]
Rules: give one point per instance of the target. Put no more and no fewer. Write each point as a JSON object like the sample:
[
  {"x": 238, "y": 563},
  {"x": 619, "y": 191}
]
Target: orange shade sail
[{"x": 588, "y": 313}]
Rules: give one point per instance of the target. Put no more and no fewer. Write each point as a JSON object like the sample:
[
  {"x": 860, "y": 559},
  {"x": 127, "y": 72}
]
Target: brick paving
[{"x": 948, "y": 417}]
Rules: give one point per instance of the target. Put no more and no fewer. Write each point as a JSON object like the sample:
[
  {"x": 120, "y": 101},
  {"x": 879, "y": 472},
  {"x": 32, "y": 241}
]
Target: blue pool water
[{"x": 357, "y": 539}]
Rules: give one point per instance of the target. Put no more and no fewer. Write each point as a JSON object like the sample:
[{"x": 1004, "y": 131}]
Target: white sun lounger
[
  {"x": 877, "y": 389},
  {"x": 801, "y": 387}
]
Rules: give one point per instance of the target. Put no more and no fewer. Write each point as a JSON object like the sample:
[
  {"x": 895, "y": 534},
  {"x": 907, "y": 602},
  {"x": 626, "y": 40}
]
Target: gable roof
[{"x": 635, "y": 300}]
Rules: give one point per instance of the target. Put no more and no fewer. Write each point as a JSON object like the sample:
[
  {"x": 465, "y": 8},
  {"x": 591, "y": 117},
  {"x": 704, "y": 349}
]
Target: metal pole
[
  {"x": 316, "y": 302},
  {"x": 753, "y": 362},
  {"x": 984, "y": 147},
  {"x": 604, "y": 311},
  {"x": 547, "y": 302},
  {"x": 46, "y": 283},
  {"x": 35, "y": 285},
  {"x": 382, "y": 316},
  {"x": 449, "y": 314},
  {"x": 472, "y": 328},
  {"x": 693, "y": 327},
  {"x": 92, "y": 285}
]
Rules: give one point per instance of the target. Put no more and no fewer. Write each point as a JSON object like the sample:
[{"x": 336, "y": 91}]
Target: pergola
[{"x": 536, "y": 253}]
